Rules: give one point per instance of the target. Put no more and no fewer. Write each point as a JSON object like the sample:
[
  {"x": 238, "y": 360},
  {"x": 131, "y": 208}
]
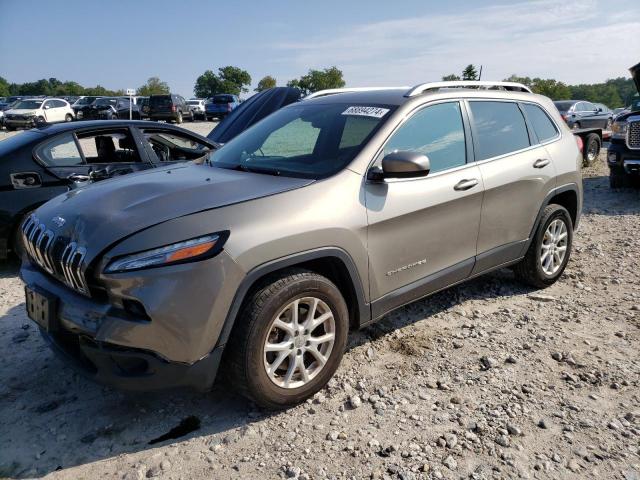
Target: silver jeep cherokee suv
[{"x": 319, "y": 219}]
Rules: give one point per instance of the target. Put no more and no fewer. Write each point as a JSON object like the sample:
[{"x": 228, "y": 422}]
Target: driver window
[
  {"x": 437, "y": 132},
  {"x": 108, "y": 147},
  {"x": 296, "y": 138},
  {"x": 172, "y": 147}
]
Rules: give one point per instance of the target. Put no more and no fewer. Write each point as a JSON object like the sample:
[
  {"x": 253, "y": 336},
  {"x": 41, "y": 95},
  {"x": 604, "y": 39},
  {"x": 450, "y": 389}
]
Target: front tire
[
  {"x": 549, "y": 250},
  {"x": 288, "y": 340}
]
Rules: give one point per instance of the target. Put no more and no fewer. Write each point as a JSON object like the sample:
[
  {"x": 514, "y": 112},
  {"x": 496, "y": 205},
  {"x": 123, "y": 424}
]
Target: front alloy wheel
[
  {"x": 299, "y": 342},
  {"x": 288, "y": 339}
]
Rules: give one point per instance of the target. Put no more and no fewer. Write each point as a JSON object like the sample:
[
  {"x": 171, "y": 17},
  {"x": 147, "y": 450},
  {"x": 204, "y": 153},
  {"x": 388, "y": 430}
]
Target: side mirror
[
  {"x": 401, "y": 164},
  {"x": 599, "y": 110}
]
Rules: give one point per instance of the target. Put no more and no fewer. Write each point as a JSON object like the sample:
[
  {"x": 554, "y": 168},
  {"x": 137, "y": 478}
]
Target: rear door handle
[
  {"x": 541, "y": 163},
  {"x": 466, "y": 184}
]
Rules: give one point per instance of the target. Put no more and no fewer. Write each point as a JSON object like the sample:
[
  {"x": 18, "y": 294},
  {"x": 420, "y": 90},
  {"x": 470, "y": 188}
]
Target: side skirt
[{"x": 495, "y": 259}]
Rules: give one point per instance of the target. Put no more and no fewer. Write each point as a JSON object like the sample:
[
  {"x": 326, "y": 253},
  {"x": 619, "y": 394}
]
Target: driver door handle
[
  {"x": 541, "y": 163},
  {"x": 465, "y": 184}
]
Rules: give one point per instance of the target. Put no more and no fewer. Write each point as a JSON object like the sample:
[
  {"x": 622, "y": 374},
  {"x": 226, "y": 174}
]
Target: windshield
[
  {"x": 563, "y": 106},
  {"x": 103, "y": 102},
  {"x": 85, "y": 101},
  {"x": 222, "y": 99},
  {"x": 28, "y": 104},
  {"x": 309, "y": 141}
]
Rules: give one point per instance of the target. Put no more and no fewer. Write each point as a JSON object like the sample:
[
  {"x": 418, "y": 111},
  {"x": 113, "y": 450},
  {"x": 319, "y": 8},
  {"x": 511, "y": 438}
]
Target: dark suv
[
  {"x": 623, "y": 155},
  {"x": 171, "y": 107}
]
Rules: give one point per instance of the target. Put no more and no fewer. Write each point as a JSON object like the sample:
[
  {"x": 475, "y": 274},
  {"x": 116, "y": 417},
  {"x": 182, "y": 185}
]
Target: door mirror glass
[{"x": 401, "y": 164}]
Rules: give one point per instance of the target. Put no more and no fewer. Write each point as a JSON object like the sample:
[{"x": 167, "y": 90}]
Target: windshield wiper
[{"x": 267, "y": 171}]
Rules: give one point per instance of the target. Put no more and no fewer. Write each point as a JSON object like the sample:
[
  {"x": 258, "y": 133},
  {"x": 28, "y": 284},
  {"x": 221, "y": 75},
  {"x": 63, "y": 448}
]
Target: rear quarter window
[
  {"x": 542, "y": 125},
  {"x": 499, "y": 128}
]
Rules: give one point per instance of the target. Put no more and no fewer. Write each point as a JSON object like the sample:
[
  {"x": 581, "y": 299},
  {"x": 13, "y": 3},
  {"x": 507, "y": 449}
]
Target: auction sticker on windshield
[{"x": 375, "y": 112}]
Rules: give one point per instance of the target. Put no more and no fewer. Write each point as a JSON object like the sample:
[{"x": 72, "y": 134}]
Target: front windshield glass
[
  {"x": 84, "y": 101},
  {"x": 28, "y": 104},
  {"x": 103, "y": 102},
  {"x": 309, "y": 141}
]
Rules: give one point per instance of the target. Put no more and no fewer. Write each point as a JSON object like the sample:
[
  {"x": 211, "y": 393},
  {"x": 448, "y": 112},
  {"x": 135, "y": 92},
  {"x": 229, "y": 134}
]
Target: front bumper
[
  {"x": 170, "y": 338},
  {"x": 12, "y": 122},
  {"x": 131, "y": 369},
  {"x": 622, "y": 159}
]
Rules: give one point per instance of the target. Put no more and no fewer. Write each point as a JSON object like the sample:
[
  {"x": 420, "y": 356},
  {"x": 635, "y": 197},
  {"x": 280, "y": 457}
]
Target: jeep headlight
[
  {"x": 181, "y": 252},
  {"x": 619, "y": 129}
]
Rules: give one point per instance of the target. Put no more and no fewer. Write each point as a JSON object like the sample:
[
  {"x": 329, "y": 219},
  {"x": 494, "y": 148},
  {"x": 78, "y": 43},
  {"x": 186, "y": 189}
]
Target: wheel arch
[
  {"x": 566, "y": 196},
  {"x": 331, "y": 262}
]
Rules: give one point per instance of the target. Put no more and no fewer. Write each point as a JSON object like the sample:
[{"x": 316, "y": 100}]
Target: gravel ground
[{"x": 486, "y": 380}]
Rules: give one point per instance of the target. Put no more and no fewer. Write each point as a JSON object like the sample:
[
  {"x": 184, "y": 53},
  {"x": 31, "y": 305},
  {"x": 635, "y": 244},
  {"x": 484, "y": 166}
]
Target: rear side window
[
  {"x": 437, "y": 132},
  {"x": 62, "y": 151},
  {"x": 540, "y": 121},
  {"x": 500, "y": 128},
  {"x": 223, "y": 99},
  {"x": 160, "y": 100}
]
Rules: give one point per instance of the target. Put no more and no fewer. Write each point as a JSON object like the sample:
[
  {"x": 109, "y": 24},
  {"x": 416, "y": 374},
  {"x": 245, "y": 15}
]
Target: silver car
[{"x": 317, "y": 220}]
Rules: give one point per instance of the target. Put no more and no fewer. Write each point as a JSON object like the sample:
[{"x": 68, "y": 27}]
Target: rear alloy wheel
[
  {"x": 549, "y": 250},
  {"x": 68, "y": 117},
  {"x": 289, "y": 339},
  {"x": 179, "y": 117}
]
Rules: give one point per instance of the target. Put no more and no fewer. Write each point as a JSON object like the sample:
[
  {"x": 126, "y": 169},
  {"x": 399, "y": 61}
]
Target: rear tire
[
  {"x": 591, "y": 149},
  {"x": 261, "y": 374},
  {"x": 536, "y": 268},
  {"x": 179, "y": 118},
  {"x": 68, "y": 117}
]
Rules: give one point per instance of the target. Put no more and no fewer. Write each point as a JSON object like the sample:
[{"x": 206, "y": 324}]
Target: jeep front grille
[
  {"x": 633, "y": 135},
  {"x": 63, "y": 261}
]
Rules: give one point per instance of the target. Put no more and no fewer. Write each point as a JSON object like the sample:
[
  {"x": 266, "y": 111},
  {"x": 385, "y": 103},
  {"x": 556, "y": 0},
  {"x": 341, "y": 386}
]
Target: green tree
[
  {"x": 317, "y": 80},
  {"x": 229, "y": 79},
  {"x": 470, "y": 73},
  {"x": 450, "y": 78},
  {"x": 4, "y": 88},
  {"x": 266, "y": 83},
  {"x": 154, "y": 86}
]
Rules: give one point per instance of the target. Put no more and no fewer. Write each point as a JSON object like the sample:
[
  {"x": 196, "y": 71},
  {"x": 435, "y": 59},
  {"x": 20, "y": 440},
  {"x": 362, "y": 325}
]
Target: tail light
[
  {"x": 579, "y": 142},
  {"x": 228, "y": 107},
  {"x": 565, "y": 117},
  {"x": 173, "y": 108}
]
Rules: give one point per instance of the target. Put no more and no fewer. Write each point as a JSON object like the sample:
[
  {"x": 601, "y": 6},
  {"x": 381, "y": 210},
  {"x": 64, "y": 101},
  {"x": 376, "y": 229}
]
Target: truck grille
[
  {"x": 633, "y": 135},
  {"x": 64, "y": 261}
]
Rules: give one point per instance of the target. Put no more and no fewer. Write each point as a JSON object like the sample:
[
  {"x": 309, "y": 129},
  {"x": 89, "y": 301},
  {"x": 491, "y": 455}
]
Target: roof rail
[
  {"x": 425, "y": 87},
  {"x": 332, "y": 91}
]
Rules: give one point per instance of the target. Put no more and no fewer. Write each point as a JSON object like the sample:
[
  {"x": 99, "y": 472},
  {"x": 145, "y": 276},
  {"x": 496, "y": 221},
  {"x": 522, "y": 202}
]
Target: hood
[
  {"x": 253, "y": 110},
  {"x": 99, "y": 215},
  {"x": 635, "y": 74}
]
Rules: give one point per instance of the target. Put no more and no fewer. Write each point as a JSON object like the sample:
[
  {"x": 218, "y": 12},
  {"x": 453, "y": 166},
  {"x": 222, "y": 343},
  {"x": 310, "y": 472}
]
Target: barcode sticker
[{"x": 375, "y": 112}]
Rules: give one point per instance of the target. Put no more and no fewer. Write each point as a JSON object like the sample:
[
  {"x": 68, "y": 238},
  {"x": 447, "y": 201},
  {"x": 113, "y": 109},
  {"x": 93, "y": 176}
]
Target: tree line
[{"x": 616, "y": 92}]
